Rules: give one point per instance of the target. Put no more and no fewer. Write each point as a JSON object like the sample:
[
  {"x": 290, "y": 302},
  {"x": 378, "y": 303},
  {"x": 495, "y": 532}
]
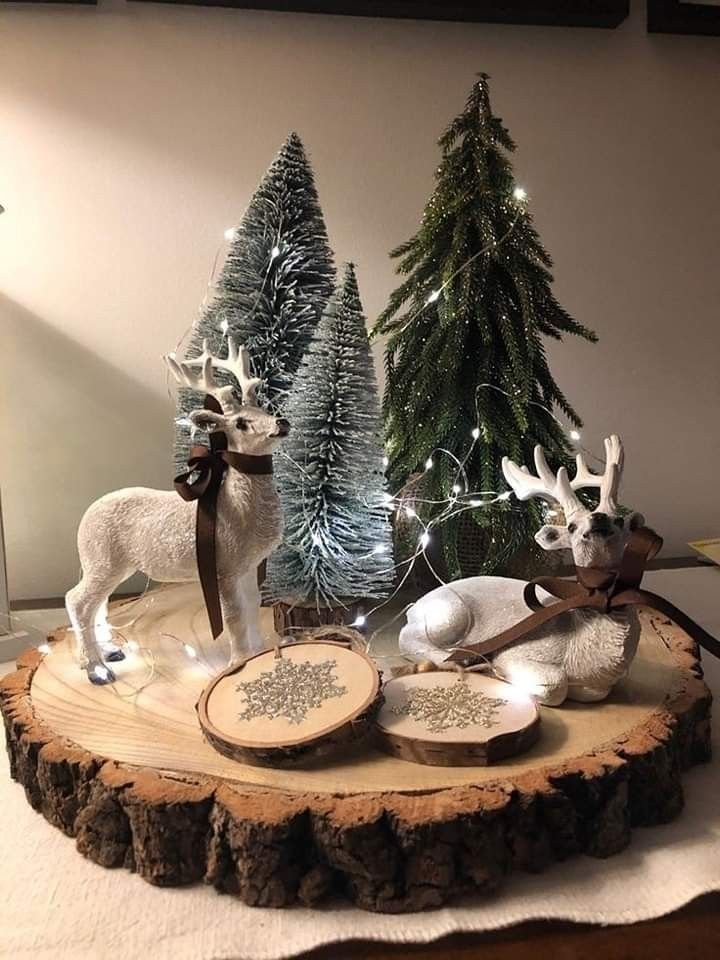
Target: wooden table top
[{"x": 692, "y": 933}]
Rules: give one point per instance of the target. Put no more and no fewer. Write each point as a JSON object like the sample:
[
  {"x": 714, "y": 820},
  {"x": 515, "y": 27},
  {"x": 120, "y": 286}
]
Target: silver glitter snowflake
[
  {"x": 440, "y": 708},
  {"x": 290, "y": 689}
]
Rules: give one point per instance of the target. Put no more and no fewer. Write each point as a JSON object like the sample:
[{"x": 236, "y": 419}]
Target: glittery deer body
[
  {"x": 581, "y": 654},
  {"x": 153, "y": 531}
]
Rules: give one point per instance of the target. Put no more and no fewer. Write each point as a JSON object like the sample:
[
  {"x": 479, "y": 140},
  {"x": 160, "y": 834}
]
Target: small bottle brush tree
[
  {"x": 274, "y": 285},
  {"x": 337, "y": 541},
  {"x": 465, "y": 359}
]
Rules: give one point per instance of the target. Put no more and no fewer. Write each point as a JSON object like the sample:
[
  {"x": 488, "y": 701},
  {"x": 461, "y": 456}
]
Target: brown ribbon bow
[
  {"x": 601, "y": 590},
  {"x": 208, "y": 466}
]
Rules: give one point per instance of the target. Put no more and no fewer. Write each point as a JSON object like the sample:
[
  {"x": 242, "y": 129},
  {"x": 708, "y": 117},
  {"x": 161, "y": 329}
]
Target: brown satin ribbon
[
  {"x": 601, "y": 590},
  {"x": 209, "y": 466}
]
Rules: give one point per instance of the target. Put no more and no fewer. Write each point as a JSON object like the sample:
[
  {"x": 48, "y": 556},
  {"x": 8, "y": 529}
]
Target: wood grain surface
[{"x": 148, "y": 717}]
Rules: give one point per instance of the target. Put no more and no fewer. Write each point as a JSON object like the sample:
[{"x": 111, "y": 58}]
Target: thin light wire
[
  {"x": 453, "y": 506},
  {"x": 435, "y": 294},
  {"x": 211, "y": 286},
  {"x": 450, "y": 509}
]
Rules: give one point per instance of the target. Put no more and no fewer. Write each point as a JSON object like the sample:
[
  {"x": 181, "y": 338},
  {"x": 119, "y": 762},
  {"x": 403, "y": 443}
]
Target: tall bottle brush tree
[
  {"x": 274, "y": 285},
  {"x": 465, "y": 356},
  {"x": 337, "y": 542}
]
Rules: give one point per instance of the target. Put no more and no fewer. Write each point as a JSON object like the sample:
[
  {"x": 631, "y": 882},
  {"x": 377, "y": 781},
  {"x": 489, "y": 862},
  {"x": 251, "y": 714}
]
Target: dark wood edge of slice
[
  {"x": 389, "y": 852},
  {"x": 312, "y": 749},
  {"x": 458, "y": 754}
]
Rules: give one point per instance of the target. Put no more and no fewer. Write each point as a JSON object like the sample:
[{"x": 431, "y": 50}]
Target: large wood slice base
[{"x": 125, "y": 771}]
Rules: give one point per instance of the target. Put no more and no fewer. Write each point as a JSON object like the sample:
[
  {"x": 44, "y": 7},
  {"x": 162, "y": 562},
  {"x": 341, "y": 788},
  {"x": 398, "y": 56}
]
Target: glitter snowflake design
[
  {"x": 455, "y": 706},
  {"x": 290, "y": 689}
]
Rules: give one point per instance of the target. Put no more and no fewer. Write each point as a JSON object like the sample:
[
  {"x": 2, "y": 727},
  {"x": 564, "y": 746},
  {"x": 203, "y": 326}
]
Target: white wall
[{"x": 132, "y": 135}]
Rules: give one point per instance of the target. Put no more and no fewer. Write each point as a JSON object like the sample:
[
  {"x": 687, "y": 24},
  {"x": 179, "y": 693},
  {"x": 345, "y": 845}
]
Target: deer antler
[
  {"x": 202, "y": 382},
  {"x": 237, "y": 363},
  {"x": 609, "y": 480},
  {"x": 546, "y": 484},
  {"x": 559, "y": 487}
]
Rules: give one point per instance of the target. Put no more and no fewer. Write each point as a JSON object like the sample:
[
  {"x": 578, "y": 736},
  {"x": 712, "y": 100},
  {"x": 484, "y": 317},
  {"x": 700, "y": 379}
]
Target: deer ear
[
  {"x": 207, "y": 420},
  {"x": 551, "y": 537},
  {"x": 635, "y": 521}
]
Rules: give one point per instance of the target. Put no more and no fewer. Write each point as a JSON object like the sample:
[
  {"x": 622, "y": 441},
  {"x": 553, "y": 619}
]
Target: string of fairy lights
[
  {"x": 459, "y": 499},
  {"x": 230, "y": 234}
]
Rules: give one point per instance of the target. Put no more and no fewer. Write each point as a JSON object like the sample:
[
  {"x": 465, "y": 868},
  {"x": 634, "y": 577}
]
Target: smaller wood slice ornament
[
  {"x": 292, "y": 703},
  {"x": 455, "y": 719}
]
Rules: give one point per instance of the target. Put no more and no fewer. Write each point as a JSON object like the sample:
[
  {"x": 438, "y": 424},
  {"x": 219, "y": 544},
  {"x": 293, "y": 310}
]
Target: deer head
[
  {"x": 248, "y": 428},
  {"x": 596, "y": 537}
]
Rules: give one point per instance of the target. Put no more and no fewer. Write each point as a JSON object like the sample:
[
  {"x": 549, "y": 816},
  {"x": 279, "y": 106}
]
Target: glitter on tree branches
[{"x": 466, "y": 331}]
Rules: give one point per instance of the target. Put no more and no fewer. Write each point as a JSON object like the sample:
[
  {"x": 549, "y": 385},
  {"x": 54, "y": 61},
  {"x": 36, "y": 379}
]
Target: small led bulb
[
  {"x": 456, "y": 488},
  {"x": 359, "y": 621},
  {"x": 275, "y": 252},
  {"x": 429, "y": 463},
  {"x": 386, "y": 461},
  {"x": 229, "y": 233},
  {"x": 435, "y": 295},
  {"x": 190, "y": 651},
  {"x": 475, "y": 433},
  {"x": 574, "y": 435},
  {"x": 520, "y": 193}
]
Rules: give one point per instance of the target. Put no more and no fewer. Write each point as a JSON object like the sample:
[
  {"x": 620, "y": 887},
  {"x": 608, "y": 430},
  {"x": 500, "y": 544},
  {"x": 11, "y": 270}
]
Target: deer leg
[
  {"x": 412, "y": 645},
  {"x": 103, "y": 634},
  {"x": 235, "y": 617},
  {"x": 547, "y": 682},
  {"x": 83, "y": 603},
  {"x": 251, "y": 591},
  {"x": 240, "y": 599},
  {"x": 584, "y": 693}
]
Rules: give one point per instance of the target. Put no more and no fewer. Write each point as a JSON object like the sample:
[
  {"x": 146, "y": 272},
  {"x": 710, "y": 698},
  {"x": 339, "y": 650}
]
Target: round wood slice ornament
[
  {"x": 294, "y": 702},
  {"x": 455, "y": 719}
]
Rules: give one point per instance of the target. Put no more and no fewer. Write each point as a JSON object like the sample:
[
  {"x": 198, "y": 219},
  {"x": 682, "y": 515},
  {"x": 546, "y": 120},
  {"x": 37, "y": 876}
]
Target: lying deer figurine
[
  {"x": 153, "y": 531},
  {"x": 582, "y": 653}
]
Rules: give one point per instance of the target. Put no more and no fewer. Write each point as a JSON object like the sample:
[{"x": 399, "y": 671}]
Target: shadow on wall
[{"x": 68, "y": 422}]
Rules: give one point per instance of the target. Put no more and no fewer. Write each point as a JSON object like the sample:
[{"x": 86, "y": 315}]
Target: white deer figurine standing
[
  {"x": 153, "y": 531},
  {"x": 581, "y": 654}
]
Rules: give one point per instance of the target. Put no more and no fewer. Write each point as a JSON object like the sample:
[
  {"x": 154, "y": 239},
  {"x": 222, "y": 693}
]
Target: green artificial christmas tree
[
  {"x": 465, "y": 359},
  {"x": 274, "y": 285},
  {"x": 337, "y": 542}
]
